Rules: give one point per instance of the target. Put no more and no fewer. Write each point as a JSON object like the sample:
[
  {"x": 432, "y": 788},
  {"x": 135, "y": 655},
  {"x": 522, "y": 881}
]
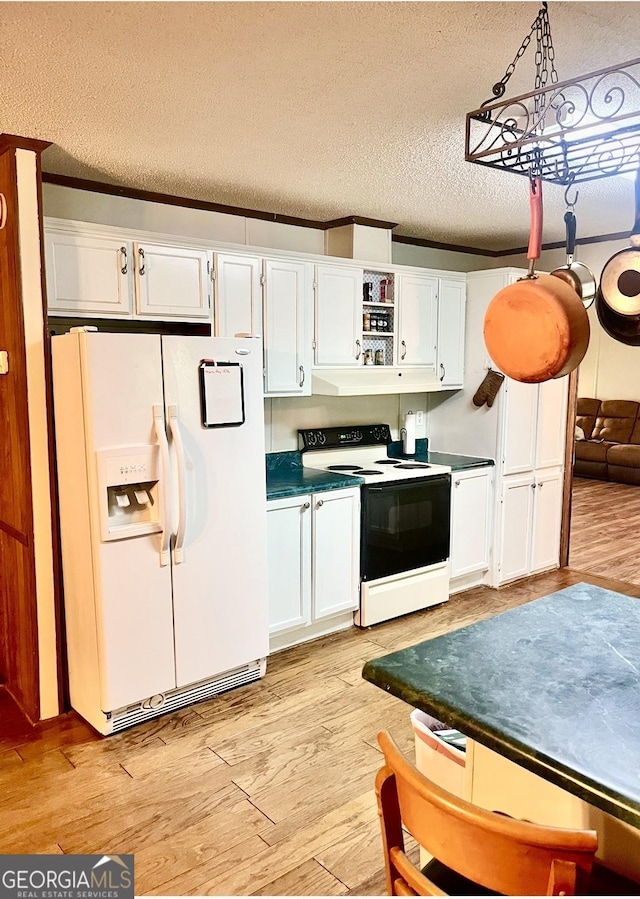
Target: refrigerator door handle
[
  {"x": 163, "y": 445},
  {"x": 174, "y": 427}
]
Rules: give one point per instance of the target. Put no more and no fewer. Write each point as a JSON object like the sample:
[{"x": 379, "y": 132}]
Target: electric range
[
  {"x": 361, "y": 451},
  {"x": 405, "y": 509}
]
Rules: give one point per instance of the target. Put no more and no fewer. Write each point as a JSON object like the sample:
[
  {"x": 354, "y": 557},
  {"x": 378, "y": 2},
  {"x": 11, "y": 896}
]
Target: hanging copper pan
[{"x": 537, "y": 328}]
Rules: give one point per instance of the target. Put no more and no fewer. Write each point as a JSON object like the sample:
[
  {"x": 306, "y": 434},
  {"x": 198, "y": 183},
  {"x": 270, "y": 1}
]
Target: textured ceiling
[{"x": 318, "y": 110}]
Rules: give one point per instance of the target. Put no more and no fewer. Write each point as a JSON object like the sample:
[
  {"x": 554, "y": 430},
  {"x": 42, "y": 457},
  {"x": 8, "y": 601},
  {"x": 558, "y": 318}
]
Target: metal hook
[{"x": 570, "y": 203}]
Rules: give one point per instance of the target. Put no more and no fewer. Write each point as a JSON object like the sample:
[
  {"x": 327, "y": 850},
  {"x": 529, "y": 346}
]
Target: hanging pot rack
[{"x": 563, "y": 132}]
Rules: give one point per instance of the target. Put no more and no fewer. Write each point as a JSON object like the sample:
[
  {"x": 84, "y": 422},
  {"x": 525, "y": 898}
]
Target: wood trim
[
  {"x": 20, "y": 536},
  {"x": 438, "y": 245},
  {"x": 16, "y": 142},
  {"x": 19, "y": 649},
  {"x": 359, "y": 220},
  {"x": 132, "y": 193},
  {"x": 565, "y": 525},
  {"x": 64, "y": 702}
]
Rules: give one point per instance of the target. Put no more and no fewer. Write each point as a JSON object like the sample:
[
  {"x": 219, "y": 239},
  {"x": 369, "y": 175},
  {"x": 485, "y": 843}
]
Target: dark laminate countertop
[
  {"x": 287, "y": 477},
  {"x": 297, "y": 481},
  {"x": 553, "y": 685}
]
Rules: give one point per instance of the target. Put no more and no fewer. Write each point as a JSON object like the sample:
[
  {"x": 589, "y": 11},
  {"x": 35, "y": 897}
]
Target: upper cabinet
[
  {"x": 88, "y": 275},
  {"x": 102, "y": 275},
  {"x": 309, "y": 313},
  {"x": 338, "y": 306},
  {"x": 238, "y": 295},
  {"x": 417, "y": 320},
  {"x": 171, "y": 282},
  {"x": 451, "y": 315},
  {"x": 288, "y": 303}
]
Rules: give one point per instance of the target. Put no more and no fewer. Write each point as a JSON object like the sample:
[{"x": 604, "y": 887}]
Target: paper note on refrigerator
[{"x": 221, "y": 394}]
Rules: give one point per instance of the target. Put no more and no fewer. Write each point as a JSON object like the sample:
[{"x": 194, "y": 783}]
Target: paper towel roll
[{"x": 409, "y": 436}]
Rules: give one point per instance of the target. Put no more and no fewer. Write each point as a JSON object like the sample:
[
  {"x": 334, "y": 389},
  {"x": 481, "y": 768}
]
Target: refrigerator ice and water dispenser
[{"x": 128, "y": 483}]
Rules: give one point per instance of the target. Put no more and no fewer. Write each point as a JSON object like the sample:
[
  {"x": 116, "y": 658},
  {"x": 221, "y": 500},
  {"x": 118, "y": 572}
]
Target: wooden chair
[{"x": 478, "y": 852}]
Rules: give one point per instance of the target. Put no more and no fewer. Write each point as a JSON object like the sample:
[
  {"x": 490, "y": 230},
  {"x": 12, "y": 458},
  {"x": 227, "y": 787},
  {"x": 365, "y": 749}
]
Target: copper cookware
[{"x": 537, "y": 328}]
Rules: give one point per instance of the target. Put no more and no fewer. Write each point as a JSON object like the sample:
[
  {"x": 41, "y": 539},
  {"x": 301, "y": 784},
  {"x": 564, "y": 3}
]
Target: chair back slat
[{"x": 503, "y": 854}]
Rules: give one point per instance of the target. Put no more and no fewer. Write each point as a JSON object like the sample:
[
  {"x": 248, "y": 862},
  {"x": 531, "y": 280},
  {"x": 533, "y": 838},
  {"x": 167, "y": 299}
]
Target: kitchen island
[{"x": 554, "y": 687}]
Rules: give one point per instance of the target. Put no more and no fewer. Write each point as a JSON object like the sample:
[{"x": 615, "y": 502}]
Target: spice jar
[
  {"x": 366, "y": 321},
  {"x": 368, "y": 357},
  {"x": 379, "y": 358}
]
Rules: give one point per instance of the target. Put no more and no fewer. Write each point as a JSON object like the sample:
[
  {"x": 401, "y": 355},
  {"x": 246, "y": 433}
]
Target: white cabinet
[
  {"x": 531, "y": 509},
  {"x": 88, "y": 275},
  {"x": 547, "y": 514},
  {"x": 519, "y": 426},
  {"x": 171, "y": 282},
  {"x": 288, "y": 300},
  {"x": 238, "y": 295},
  {"x": 336, "y": 552},
  {"x": 289, "y": 563},
  {"x": 516, "y": 527},
  {"x": 106, "y": 275},
  {"x": 471, "y": 496},
  {"x": 417, "y": 320},
  {"x": 313, "y": 564},
  {"x": 451, "y": 314},
  {"x": 338, "y": 314},
  {"x": 551, "y": 417}
]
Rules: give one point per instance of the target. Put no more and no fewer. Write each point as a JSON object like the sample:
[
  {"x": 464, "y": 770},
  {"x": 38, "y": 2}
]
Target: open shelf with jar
[{"x": 378, "y": 318}]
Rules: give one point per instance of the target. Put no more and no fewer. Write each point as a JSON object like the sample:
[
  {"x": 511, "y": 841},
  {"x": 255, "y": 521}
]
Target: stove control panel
[{"x": 351, "y": 435}]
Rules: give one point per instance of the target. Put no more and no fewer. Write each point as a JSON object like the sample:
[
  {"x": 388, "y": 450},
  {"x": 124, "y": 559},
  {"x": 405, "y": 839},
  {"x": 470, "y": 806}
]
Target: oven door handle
[{"x": 408, "y": 483}]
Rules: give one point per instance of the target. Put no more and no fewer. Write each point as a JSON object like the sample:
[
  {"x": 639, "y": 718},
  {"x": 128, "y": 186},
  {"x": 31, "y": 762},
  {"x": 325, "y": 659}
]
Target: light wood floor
[
  {"x": 267, "y": 790},
  {"x": 605, "y": 524}
]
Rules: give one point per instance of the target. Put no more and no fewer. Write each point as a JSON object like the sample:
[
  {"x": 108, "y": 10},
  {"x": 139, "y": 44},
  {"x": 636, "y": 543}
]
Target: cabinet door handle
[
  {"x": 306, "y": 505},
  {"x": 123, "y": 251},
  {"x": 533, "y": 486},
  {"x": 541, "y": 485},
  {"x": 301, "y": 382},
  {"x": 442, "y": 369},
  {"x": 457, "y": 483},
  {"x": 141, "y": 269},
  {"x": 404, "y": 349},
  {"x": 359, "y": 349},
  {"x": 319, "y": 503},
  {"x": 3, "y": 211}
]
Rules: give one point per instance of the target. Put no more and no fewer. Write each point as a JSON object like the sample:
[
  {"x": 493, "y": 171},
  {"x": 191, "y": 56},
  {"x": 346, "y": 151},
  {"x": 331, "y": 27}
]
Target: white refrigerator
[{"x": 161, "y": 474}]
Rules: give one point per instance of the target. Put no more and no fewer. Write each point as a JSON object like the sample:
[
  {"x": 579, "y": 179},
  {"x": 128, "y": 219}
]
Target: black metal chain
[{"x": 545, "y": 56}]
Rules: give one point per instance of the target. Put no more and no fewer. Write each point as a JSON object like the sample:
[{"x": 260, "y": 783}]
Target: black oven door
[{"x": 405, "y": 525}]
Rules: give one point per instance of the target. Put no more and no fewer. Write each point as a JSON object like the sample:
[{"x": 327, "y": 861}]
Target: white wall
[{"x": 284, "y": 416}]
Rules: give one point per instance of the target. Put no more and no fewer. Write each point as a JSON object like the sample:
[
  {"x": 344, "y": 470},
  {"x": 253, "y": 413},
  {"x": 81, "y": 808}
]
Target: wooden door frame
[{"x": 570, "y": 425}]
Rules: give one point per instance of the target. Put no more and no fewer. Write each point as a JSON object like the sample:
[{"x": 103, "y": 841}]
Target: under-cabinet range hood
[{"x": 371, "y": 380}]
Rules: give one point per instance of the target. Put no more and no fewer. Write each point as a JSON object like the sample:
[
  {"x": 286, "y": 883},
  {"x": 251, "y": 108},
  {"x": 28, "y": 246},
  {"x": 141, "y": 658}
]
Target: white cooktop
[{"x": 370, "y": 463}]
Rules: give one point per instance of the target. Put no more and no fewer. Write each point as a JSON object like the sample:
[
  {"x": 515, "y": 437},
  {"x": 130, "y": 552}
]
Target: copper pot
[{"x": 537, "y": 328}]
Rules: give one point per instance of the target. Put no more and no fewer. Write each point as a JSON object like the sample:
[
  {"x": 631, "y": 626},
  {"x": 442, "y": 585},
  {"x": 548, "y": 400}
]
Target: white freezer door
[
  {"x": 220, "y": 565},
  {"x": 122, "y": 381}
]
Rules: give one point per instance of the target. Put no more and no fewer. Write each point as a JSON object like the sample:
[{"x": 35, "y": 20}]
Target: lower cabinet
[
  {"x": 529, "y": 527},
  {"x": 313, "y": 564},
  {"x": 471, "y": 493}
]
